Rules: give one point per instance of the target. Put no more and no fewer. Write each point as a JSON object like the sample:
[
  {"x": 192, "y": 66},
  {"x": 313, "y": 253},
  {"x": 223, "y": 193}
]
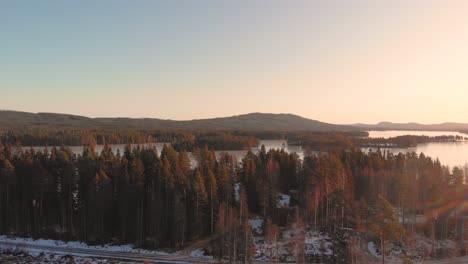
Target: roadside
[{"x": 52, "y": 251}]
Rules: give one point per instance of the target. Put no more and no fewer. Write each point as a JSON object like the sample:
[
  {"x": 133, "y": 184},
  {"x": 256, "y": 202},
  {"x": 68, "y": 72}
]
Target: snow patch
[
  {"x": 200, "y": 253},
  {"x": 79, "y": 245},
  {"x": 373, "y": 249},
  {"x": 237, "y": 187},
  {"x": 315, "y": 244},
  {"x": 283, "y": 200},
  {"x": 9, "y": 256},
  {"x": 257, "y": 225},
  {"x": 318, "y": 244}
]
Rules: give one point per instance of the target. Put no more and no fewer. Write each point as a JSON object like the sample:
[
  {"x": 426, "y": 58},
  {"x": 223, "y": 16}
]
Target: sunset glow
[{"x": 362, "y": 61}]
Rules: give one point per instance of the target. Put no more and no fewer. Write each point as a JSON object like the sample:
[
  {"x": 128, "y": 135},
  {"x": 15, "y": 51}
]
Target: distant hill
[
  {"x": 261, "y": 121},
  {"x": 253, "y": 121},
  {"x": 24, "y": 119},
  {"x": 415, "y": 126}
]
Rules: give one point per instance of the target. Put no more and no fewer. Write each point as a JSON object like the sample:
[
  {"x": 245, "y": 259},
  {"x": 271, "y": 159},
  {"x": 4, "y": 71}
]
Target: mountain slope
[
  {"x": 253, "y": 121},
  {"x": 261, "y": 121}
]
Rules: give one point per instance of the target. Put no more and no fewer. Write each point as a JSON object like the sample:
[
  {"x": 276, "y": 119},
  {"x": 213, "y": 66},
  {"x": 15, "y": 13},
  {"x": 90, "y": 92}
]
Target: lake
[
  {"x": 239, "y": 154},
  {"x": 78, "y": 150},
  {"x": 269, "y": 144},
  {"x": 449, "y": 153}
]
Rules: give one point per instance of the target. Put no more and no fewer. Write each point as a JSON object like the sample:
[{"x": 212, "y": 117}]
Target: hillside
[
  {"x": 253, "y": 121},
  {"x": 261, "y": 121}
]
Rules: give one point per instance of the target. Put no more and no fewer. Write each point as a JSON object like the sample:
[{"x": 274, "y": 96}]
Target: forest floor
[
  {"x": 418, "y": 249},
  {"x": 319, "y": 248}
]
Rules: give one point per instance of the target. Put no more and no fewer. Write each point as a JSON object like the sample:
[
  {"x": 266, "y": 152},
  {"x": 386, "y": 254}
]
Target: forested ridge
[
  {"x": 252, "y": 121},
  {"x": 162, "y": 201}
]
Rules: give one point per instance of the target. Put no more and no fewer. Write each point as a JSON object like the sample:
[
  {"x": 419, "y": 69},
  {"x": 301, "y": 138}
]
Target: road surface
[{"x": 152, "y": 258}]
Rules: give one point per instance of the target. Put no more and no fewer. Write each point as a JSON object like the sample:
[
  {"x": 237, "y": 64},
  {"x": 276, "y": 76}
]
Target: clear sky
[{"x": 335, "y": 61}]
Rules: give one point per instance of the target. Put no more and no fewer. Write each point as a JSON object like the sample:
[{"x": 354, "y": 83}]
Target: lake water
[
  {"x": 449, "y": 153},
  {"x": 239, "y": 154},
  {"x": 78, "y": 150},
  {"x": 269, "y": 144}
]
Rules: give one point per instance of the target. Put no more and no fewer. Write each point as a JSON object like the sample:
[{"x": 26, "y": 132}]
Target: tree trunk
[
  {"x": 315, "y": 213},
  {"x": 185, "y": 216},
  {"x": 234, "y": 245},
  {"x": 382, "y": 242},
  {"x": 212, "y": 211},
  {"x": 327, "y": 204},
  {"x": 246, "y": 246}
]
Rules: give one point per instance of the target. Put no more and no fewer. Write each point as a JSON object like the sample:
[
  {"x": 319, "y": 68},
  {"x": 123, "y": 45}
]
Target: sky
[{"x": 335, "y": 61}]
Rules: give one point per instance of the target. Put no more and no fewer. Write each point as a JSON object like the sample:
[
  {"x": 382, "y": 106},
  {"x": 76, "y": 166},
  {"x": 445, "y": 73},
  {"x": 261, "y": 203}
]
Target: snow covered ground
[
  {"x": 316, "y": 244},
  {"x": 237, "y": 188},
  {"x": 200, "y": 253},
  {"x": 373, "y": 249},
  {"x": 257, "y": 225},
  {"x": 27, "y": 250},
  {"x": 283, "y": 201},
  {"x": 80, "y": 245},
  {"x": 417, "y": 248},
  {"x": 21, "y": 257}
]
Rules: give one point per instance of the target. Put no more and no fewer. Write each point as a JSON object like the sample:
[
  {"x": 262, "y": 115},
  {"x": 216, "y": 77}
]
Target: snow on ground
[
  {"x": 424, "y": 246},
  {"x": 79, "y": 245},
  {"x": 199, "y": 253},
  {"x": 416, "y": 248},
  {"x": 283, "y": 200},
  {"x": 318, "y": 244},
  {"x": 21, "y": 257},
  {"x": 237, "y": 187},
  {"x": 315, "y": 243},
  {"x": 373, "y": 249},
  {"x": 257, "y": 225}
]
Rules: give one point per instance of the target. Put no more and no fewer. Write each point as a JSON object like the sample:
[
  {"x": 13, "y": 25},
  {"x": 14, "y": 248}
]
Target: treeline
[
  {"x": 180, "y": 139},
  {"x": 319, "y": 141},
  {"x": 154, "y": 201},
  {"x": 325, "y": 141},
  {"x": 71, "y": 137},
  {"x": 404, "y": 141},
  {"x": 238, "y": 139},
  {"x": 214, "y": 140}
]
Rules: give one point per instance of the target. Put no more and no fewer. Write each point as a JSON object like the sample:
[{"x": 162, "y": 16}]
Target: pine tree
[
  {"x": 384, "y": 223},
  {"x": 201, "y": 198}
]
